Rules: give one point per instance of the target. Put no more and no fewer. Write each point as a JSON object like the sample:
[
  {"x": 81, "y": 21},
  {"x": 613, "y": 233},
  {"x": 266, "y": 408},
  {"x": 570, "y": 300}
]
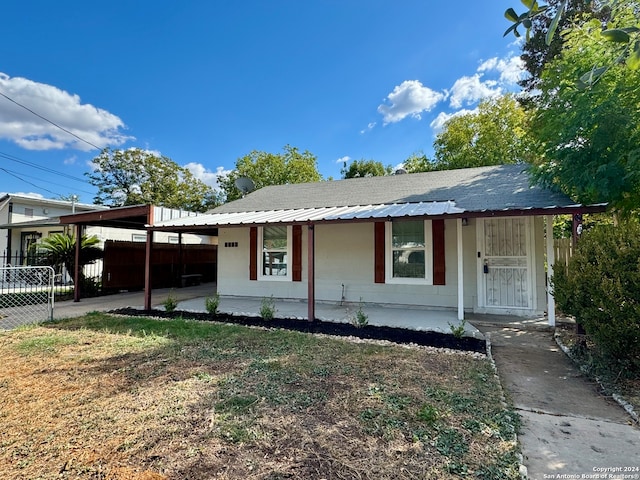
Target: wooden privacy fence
[
  {"x": 563, "y": 251},
  {"x": 124, "y": 264}
]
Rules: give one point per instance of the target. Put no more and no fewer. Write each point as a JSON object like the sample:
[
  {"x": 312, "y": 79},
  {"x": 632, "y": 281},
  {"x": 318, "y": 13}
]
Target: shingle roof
[{"x": 495, "y": 188}]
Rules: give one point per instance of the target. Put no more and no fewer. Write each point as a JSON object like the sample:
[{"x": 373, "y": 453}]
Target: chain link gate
[{"x": 26, "y": 295}]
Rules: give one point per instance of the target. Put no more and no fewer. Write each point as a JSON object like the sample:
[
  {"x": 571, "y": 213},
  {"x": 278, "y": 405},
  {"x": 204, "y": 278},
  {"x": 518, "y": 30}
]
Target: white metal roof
[{"x": 302, "y": 215}]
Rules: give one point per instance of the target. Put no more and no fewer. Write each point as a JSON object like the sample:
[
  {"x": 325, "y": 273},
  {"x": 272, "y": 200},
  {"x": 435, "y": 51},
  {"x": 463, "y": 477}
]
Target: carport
[{"x": 136, "y": 217}]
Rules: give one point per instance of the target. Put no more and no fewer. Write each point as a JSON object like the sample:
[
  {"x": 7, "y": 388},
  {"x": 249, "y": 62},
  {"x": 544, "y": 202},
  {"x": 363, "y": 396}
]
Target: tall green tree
[
  {"x": 364, "y": 168},
  {"x": 135, "y": 176},
  {"x": 263, "y": 168},
  {"x": 495, "y": 134},
  {"x": 589, "y": 139},
  {"x": 417, "y": 163},
  {"x": 539, "y": 50}
]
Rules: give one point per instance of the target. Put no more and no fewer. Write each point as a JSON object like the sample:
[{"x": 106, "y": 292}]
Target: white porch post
[
  {"x": 551, "y": 301},
  {"x": 460, "y": 271}
]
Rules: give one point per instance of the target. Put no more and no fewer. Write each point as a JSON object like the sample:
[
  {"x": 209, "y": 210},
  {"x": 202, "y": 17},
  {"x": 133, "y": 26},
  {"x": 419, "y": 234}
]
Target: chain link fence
[{"x": 26, "y": 295}]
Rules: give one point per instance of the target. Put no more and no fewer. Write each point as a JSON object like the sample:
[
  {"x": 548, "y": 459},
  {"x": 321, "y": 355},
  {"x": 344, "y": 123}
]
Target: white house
[
  {"x": 26, "y": 219},
  {"x": 471, "y": 240}
]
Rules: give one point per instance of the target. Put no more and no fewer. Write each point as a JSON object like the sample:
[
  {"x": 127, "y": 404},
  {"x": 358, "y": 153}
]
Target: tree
[
  {"x": 59, "y": 251},
  {"x": 589, "y": 139},
  {"x": 135, "y": 176},
  {"x": 364, "y": 168},
  {"x": 536, "y": 52},
  {"x": 624, "y": 38},
  {"x": 264, "y": 169},
  {"x": 493, "y": 135},
  {"x": 418, "y": 163}
]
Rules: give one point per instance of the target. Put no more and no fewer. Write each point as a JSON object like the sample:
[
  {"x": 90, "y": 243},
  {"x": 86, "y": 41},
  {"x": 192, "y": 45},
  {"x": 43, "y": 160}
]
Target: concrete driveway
[{"x": 570, "y": 428}]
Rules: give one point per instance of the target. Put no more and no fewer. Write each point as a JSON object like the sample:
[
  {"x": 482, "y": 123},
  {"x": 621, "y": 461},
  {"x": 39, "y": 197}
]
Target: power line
[
  {"x": 28, "y": 182},
  {"x": 49, "y": 121},
  {"x": 13, "y": 158},
  {"x": 47, "y": 181}
]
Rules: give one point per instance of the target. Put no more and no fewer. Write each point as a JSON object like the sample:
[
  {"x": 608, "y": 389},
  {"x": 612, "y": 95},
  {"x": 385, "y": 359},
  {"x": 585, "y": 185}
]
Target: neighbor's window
[
  {"x": 409, "y": 252},
  {"x": 275, "y": 252}
]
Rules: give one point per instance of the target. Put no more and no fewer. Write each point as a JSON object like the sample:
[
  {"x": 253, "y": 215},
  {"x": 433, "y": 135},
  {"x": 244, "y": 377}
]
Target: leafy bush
[
  {"x": 268, "y": 308},
  {"x": 601, "y": 289},
  {"x": 360, "y": 319},
  {"x": 212, "y": 304},
  {"x": 171, "y": 303}
]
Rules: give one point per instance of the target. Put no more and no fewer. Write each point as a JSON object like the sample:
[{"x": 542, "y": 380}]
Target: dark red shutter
[
  {"x": 439, "y": 270},
  {"x": 253, "y": 253},
  {"x": 297, "y": 253},
  {"x": 379, "y": 252}
]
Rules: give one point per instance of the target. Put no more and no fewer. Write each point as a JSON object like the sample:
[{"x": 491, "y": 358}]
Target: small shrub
[
  {"x": 458, "y": 330},
  {"x": 268, "y": 308},
  {"x": 360, "y": 319},
  {"x": 171, "y": 303},
  {"x": 212, "y": 303}
]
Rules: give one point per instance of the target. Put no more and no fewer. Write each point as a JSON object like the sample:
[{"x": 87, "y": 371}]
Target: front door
[{"x": 504, "y": 255}]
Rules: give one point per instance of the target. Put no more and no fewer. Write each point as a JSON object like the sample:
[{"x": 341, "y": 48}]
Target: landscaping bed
[{"x": 342, "y": 329}]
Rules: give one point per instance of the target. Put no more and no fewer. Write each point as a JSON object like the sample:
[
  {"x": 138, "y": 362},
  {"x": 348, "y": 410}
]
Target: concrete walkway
[{"x": 569, "y": 426}]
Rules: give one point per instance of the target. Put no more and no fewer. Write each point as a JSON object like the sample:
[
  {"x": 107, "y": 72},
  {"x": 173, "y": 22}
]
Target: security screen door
[{"x": 504, "y": 251}]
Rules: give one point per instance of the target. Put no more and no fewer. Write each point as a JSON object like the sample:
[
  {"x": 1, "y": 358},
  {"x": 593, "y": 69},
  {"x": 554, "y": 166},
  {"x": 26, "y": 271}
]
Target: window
[
  {"x": 138, "y": 237},
  {"x": 274, "y": 261},
  {"x": 173, "y": 239},
  {"x": 28, "y": 212},
  {"x": 409, "y": 252}
]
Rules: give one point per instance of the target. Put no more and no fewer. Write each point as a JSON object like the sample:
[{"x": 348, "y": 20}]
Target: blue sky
[{"x": 206, "y": 82}]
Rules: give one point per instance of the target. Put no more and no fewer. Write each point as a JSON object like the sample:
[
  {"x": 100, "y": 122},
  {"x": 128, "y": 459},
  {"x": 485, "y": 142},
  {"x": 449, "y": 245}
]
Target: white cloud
[
  {"x": 344, "y": 159},
  {"x": 410, "y": 98},
  {"x": 27, "y": 130},
  {"x": 70, "y": 160},
  {"x": 469, "y": 90},
  {"x": 369, "y": 127},
  {"x": 438, "y": 123},
  {"x": 205, "y": 175},
  {"x": 511, "y": 69}
]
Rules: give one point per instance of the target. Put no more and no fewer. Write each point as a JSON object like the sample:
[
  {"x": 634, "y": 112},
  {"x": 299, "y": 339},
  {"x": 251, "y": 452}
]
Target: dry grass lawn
[{"x": 106, "y": 397}]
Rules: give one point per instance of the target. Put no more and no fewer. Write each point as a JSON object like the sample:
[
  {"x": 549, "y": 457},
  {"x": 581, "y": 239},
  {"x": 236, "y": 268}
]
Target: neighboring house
[
  {"x": 471, "y": 240},
  {"x": 26, "y": 219}
]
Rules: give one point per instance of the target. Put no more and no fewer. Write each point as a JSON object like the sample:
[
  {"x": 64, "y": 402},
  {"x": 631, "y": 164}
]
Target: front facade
[
  {"x": 408, "y": 262},
  {"x": 471, "y": 240}
]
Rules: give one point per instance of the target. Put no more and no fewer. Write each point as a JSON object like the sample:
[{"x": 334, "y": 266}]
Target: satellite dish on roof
[
  {"x": 400, "y": 171},
  {"x": 245, "y": 185}
]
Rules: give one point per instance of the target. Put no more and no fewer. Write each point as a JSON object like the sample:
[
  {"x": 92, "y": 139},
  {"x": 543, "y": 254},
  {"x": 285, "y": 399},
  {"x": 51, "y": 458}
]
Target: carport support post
[
  {"x": 76, "y": 270},
  {"x": 460, "y": 270},
  {"x": 147, "y": 270},
  {"x": 551, "y": 254},
  {"x": 311, "y": 287}
]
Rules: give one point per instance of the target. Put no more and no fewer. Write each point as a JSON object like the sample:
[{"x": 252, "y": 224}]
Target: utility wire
[
  {"x": 49, "y": 121},
  {"x": 26, "y": 181},
  {"x": 47, "y": 181},
  {"x": 39, "y": 167}
]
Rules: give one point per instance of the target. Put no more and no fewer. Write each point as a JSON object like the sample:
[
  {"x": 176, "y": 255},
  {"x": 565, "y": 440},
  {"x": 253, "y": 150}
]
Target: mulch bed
[{"x": 370, "y": 332}]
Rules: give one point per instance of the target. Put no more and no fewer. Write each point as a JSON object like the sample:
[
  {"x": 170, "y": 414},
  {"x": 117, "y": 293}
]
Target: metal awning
[{"x": 322, "y": 214}]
